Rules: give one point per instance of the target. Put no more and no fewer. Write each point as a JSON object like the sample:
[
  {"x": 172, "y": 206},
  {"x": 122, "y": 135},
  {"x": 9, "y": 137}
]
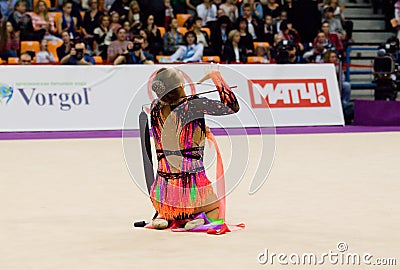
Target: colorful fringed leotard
[{"x": 181, "y": 183}]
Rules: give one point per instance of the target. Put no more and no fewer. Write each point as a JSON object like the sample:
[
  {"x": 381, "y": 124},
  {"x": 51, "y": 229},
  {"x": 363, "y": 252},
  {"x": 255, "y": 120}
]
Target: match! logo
[{"x": 289, "y": 93}]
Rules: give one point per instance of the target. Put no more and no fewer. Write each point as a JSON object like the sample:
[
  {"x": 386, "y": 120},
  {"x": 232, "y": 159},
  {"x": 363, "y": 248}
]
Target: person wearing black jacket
[
  {"x": 233, "y": 51},
  {"x": 219, "y": 35}
]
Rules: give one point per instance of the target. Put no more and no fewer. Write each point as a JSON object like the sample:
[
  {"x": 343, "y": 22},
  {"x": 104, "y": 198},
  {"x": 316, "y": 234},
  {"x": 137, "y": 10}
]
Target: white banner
[{"x": 62, "y": 98}]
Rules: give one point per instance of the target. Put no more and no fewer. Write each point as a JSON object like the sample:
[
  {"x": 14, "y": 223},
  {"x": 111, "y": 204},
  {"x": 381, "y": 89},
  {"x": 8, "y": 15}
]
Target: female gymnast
[{"x": 181, "y": 188}]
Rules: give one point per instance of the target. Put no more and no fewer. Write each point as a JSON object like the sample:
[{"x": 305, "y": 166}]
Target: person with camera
[
  {"x": 286, "y": 52},
  {"x": 78, "y": 56},
  {"x": 316, "y": 54},
  {"x": 134, "y": 54}
]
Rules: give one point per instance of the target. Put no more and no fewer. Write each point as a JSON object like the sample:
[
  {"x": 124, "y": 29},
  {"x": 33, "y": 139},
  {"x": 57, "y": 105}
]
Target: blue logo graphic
[{"x": 6, "y": 93}]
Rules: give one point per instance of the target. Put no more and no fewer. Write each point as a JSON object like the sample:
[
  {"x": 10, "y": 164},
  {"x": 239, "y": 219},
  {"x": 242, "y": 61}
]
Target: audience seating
[
  {"x": 30, "y": 46},
  {"x": 254, "y": 59},
  {"x": 182, "y": 18},
  {"x": 53, "y": 45},
  {"x": 214, "y": 58}
]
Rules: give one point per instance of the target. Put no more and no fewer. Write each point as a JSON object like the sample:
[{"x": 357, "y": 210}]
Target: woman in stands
[
  {"x": 114, "y": 24},
  {"x": 153, "y": 36},
  {"x": 246, "y": 40},
  {"x": 135, "y": 16},
  {"x": 190, "y": 52},
  {"x": 9, "y": 41},
  {"x": 103, "y": 36},
  {"x": 91, "y": 21},
  {"x": 67, "y": 22},
  {"x": 181, "y": 188},
  {"x": 41, "y": 21},
  {"x": 172, "y": 38},
  {"x": 233, "y": 51}
]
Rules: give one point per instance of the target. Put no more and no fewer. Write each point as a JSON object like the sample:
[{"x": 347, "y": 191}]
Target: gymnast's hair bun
[{"x": 166, "y": 80}]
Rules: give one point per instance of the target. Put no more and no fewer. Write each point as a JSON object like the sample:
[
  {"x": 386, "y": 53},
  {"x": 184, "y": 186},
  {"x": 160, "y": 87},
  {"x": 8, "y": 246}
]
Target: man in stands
[
  {"x": 253, "y": 24},
  {"x": 333, "y": 37},
  {"x": 316, "y": 54},
  {"x": 134, "y": 54},
  {"x": 78, "y": 56},
  {"x": 25, "y": 59}
]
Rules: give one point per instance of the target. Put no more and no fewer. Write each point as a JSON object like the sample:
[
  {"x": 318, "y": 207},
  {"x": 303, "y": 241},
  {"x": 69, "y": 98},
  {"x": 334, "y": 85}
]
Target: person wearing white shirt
[
  {"x": 207, "y": 12},
  {"x": 44, "y": 56},
  {"x": 191, "y": 52}
]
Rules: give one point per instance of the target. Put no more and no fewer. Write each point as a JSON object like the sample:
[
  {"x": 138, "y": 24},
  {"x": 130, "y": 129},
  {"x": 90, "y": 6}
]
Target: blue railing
[{"x": 349, "y": 71}]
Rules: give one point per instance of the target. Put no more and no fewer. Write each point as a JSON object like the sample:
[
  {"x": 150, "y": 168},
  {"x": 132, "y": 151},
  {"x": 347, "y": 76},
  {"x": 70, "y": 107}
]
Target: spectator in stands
[
  {"x": 91, "y": 21},
  {"x": 282, "y": 18},
  {"x": 207, "y": 11},
  {"x": 44, "y": 56},
  {"x": 65, "y": 48},
  {"x": 122, "y": 7},
  {"x": 153, "y": 36},
  {"x": 333, "y": 37},
  {"x": 286, "y": 52},
  {"x": 289, "y": 33},
  {"x": 127, "y": 26},
  {"x": 191, "y": 51},
  {"x": 118, "y": 46},
  {"x": 219, "y": 35},
  {"x": 271, "y": 8},
  {"x": 4, "y": 10},
  {"x": 316, "y": 54},
  {"x": 67, "y": 22},
  {"x": 9, "y": 41},
  {"x": 145, "y": 44},
  {"x": 230, "y": 10},
  {"x": 22, "y": 22},
  {"x": 334, "y": 23},
  {"x": 332, "y": 57},
  {"x": 288, "y": 7},
  {"x": 25, "y": 59},
  {"x": 172, "y": 38},
  {"x": 135, "y": 16},
  {"x": 191, "y": 6},
  {"x": 42, "y": 22},
  {"x": 103, "y": 36},
  {"x": 134, "y": 54},
  {"x": 268, "y": 31},
  {"x": 256, "y": 9},
  {"x": 78, "y": 56},
  {"x": 168, "y": 13},
  {"x": 253, "y": 24},
  {"x": 246, "y": 39},
  {"x": 114, "y": 25},
  {"x": 234, "y": 52},
  {"x": 202, "y": 36},
  {"x": 107, "y": 5},
  {"x": 338, "y": 14}
]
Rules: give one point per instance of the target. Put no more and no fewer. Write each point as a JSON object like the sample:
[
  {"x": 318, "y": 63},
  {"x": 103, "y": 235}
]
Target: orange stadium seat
[
  {"x": 255, "y": 59},
  {"x": 207, "y": 30},
  {"x": 56, "y": 15},
  {"x": 13, "y": 60},
  {"x": 214, "y": 58},
  {"x": 53, "y": 45},
  {"x": 182, "y": 18},
  {"x": 159, "y": 57},
  {"x": 48, "y": 3},
  {"x": 30, "y": 46},
  {"x": 182, "y": 30},
  {"x": 162, "y": 30},
  {"x": 261, "y": 44},
  {"x": 98, "y": 59}
]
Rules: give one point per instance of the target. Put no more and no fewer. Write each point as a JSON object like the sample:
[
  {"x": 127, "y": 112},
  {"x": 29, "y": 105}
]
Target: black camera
[
  {"x": 136, "y": 47},
  {"x": 79, "y": 54},
  {"x": 386, "y": 75},
  {"x": 282, "y": 51}
]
